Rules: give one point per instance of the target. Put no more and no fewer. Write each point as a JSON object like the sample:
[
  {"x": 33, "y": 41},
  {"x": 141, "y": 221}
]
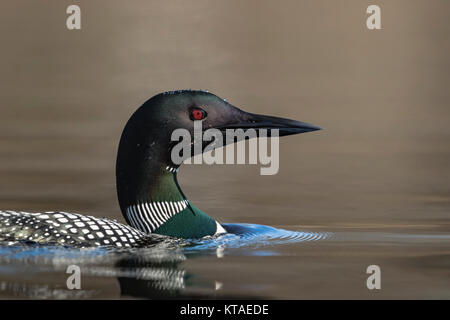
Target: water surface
[{"x": 375, "y": 181}]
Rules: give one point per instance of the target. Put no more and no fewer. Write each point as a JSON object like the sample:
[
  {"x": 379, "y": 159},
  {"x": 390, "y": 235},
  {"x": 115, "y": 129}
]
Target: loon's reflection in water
[
  {"x": 146, "y": 272},
  {"x": 155, "y": 271}
]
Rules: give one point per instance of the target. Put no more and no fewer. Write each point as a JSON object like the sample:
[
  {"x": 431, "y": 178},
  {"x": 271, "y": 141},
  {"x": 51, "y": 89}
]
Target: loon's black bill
[{"x": 285, "y": 126}]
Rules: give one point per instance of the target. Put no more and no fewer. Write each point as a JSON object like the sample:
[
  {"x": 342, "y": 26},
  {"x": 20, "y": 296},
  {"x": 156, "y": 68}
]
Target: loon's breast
[{"x": 66, "y": 229}]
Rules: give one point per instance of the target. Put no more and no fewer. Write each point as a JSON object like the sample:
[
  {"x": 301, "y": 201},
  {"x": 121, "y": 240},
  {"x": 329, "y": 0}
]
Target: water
[
  {"x": 154, "y": 272},
  {"x": 164, "y": 269},
  {"x": 371, "y": 188}
]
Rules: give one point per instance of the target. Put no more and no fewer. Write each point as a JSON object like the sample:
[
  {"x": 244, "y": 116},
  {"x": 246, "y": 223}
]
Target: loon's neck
[{"x": 149, "y": 195}]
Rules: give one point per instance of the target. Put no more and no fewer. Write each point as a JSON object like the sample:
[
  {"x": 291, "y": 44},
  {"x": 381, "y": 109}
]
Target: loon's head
[{"x": 148, "y": 192}]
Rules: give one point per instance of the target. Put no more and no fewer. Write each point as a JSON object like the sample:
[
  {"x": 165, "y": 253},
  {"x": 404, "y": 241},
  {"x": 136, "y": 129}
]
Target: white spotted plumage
[
  {"x": 66, "y": 229},
  {"x": 83, "y": 231}
]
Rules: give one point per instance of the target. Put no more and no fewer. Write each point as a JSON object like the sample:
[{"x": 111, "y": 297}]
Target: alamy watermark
[
  {"x": 373, "y": 22},
  {"x": 213, "y": 153},
  {"x": 374, "y": 280},
  {"x": 74, "y": 280},
  {"x": 73, "y": 21}
]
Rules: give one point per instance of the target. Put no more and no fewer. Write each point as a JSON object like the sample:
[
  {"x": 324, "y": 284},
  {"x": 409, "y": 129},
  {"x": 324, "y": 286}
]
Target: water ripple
[{"x": 254, "y": 236}]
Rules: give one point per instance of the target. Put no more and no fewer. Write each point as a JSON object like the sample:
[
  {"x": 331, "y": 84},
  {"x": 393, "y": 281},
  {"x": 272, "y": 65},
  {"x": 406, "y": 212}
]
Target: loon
[{"x": 149, "y": 195}]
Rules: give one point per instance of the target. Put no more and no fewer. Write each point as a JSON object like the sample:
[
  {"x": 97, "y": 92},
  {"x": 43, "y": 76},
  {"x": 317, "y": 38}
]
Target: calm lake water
[{"x": 372, "y": 188}]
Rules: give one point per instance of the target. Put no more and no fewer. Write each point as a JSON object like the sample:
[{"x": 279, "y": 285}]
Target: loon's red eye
[{"x": 198, "y": 114}]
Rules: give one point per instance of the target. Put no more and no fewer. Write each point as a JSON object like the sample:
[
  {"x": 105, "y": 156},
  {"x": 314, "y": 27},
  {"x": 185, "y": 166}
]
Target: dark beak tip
[{"x": 308, "y": 127}]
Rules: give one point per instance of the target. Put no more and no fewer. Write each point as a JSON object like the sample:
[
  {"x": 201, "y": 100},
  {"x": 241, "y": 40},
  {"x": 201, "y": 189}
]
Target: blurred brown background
[
  {"x": 382, "y": 163},
  {"x": 382, "y": 97}
]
